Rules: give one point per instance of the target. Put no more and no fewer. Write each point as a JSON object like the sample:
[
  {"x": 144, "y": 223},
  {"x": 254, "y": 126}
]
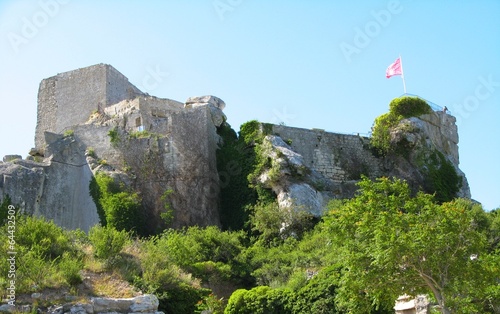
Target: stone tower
[{"x": 69, "y": 98}]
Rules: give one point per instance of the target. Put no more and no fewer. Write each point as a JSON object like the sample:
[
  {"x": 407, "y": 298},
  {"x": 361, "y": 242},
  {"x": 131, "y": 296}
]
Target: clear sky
[{"x": 310, "y": 64}]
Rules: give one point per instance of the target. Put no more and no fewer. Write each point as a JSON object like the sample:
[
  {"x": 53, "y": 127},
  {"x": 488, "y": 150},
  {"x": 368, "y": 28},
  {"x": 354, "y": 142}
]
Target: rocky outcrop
[
  {"x": 93, "y": 120},
  {"x": 145, "y": 304},
  {"x": 310, "y": 167}
]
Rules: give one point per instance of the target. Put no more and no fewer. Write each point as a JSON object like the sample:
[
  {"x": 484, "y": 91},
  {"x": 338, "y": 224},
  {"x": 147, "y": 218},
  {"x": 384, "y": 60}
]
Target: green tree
[{"x": 391, "y": 243}]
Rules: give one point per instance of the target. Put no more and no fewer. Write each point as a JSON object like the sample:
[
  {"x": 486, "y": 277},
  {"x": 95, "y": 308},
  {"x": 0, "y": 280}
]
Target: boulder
[
  {"x": 204, "y": 100},
  {"x": 147, "y": 303}
]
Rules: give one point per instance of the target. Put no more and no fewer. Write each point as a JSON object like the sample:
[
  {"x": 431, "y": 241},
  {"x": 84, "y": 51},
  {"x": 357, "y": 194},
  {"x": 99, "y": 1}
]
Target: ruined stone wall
[
  {"x": 69, "y": 98},
  {"x": 194, "y": 145},
  {"x": 338, "y": 157},
  {"x": 57, "y": 189}
]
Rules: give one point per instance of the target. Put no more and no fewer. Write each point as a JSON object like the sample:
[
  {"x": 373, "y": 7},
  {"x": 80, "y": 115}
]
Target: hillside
[{"x": 126, "y": 194}]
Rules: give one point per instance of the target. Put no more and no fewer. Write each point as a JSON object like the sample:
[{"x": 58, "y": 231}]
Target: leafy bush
[
  {"x": 442, "y": 178},
  {"x": 114, "y": 136},
  {"x": 259, "y": 300},
  {"x": 407, "y": 107},
  {"x": 69, "y": 268},
  {"x": 46, "y": 255},
  {"x": 208, "y": 253},
  {"x": 141, "y": 134},
  {"x": 176, "y": 290},
  {"x": 4, "y": 209},
  {"x": 318, "y": 295},
  {"x": 107, "y": 241},
  {"x": 68, "y": 133},
  {"x": 43, "y": 237},
  {"x": 117, "y": 207},
  {"x": 399, "y": 109},
  {"x": 274, "y": 224}
]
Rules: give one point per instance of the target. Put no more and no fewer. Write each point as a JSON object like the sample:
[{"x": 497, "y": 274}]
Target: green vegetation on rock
[
  {"x": 116, "y": 205},
  {"x": 399, "y": 109}
]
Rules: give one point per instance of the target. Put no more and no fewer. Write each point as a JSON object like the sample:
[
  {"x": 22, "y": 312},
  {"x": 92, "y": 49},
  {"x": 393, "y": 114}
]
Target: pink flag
[{"x": 394, "y": 69}]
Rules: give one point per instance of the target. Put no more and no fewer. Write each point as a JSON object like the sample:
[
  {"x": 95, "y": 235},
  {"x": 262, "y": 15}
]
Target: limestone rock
[
  {"x": 9, "y": 158},
  {"x": 6, "y": 308},
  {"x": 203, "y": 100},
  {"x": 142, "y": 304},
  {"x": 301, "y": 196}
]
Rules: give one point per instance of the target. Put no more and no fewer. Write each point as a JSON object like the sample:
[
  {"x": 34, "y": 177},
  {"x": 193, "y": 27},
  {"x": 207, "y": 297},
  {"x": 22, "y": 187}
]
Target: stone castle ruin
[
  {"x": 174, "y": 150},
  {"x": 94, "y": 120}
]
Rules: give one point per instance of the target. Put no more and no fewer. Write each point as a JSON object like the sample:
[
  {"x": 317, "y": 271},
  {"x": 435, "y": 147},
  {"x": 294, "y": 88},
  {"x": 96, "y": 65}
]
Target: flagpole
[{"x": 402, "y": 73}]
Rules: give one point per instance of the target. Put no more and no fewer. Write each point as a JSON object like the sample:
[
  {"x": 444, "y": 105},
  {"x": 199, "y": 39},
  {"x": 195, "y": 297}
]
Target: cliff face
[
  {"x": 311, "y": 167},
  {"x": 157, "y": 147}
]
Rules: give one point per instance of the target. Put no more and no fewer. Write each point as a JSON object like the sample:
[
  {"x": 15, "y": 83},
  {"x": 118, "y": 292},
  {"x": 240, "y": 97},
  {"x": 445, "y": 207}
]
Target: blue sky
[{"x": 311, "y": 64}]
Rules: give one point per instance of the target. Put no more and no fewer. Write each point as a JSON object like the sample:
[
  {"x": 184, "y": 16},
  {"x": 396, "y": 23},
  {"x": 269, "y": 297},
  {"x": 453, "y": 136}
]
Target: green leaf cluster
[
  {"x": 441, "y": 178},
  {"x": 116, "y": 206},
  {"x": 107, "y": 241},
  {"x": 392, "y": 243},
  {"x": 399, "y": 109},
  {"x": 46, "y": 255}
]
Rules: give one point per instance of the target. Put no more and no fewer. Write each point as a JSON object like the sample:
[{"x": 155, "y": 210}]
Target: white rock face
[
  {"x": 439, "y": 129},
  {"x": 147, "y": 303},
  {"x": 203, "y": 100},
  {"x": 302, "y": 196}
]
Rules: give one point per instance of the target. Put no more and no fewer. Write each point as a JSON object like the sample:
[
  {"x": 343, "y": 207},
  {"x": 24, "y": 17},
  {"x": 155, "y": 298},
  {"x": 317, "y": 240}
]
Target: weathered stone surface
[
  {"x": 203, "y": 100},
  {"x": 142, "y": 304},
  {"x": 301, "y": 196},
  {"x": 6, "y": 308},
  {"x": 174, "y": 149},
  {"x": 418, "y": 305},
  {"x": 69, "y": 98},
  {"x": 8, "y": 158},
  {"x": 317, "y": 166}
]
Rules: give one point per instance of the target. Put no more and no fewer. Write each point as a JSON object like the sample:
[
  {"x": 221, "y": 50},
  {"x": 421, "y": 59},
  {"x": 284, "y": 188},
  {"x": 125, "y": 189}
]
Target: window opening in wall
[{"x": 138, "y": 124}]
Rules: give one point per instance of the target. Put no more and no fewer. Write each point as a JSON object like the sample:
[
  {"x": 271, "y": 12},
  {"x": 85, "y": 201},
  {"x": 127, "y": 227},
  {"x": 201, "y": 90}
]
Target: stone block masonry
[
  {"x": 162, "y": 145},
  {"x": 69, "y": 98},
  {"x": 338, "y": 157}
]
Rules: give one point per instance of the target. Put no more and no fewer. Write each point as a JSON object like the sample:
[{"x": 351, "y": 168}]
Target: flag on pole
[{"x": 394, "y": 69}]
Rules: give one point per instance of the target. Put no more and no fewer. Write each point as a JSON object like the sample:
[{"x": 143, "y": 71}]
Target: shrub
[
  {"x": 4, "y": 209},
  {"x": 318, "y": 295},
  {"x": 399, "y": 109},
  {"x": 107, "y": 241},
  {"x": 176, "y": 290},
  {"x": 46, "y": 256},
  {"x": 68, "y": 133},
  {"x": 442, "y": 178},
  {"x": 408, "y": 107},
  {"x": 114, "y": 136},
  {"x": 42, "y": 236},
  {"x": 208, "y": 253},
  {"x": 117, "y": 207},
  {"x": 141, "y": 134},
  {"x": 70, "y": 269},
  {"x": 259, "y": 300}
]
